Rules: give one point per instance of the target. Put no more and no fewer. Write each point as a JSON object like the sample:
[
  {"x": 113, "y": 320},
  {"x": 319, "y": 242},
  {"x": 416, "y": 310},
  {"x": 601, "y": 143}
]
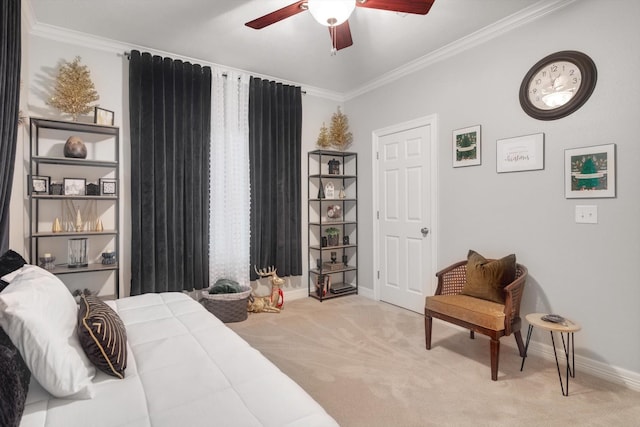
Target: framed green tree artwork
[
  {"x": 590, "y": 172},
  {"x": 466, "y": 146}
]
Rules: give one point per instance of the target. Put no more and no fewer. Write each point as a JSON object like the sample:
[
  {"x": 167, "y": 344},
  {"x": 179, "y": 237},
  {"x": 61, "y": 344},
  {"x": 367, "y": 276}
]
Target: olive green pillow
[{"x": 487, "y": 279}]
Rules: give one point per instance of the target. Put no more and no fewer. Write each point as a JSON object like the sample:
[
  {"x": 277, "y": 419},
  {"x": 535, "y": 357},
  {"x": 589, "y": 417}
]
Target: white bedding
[{"x": 186, "y": 369}]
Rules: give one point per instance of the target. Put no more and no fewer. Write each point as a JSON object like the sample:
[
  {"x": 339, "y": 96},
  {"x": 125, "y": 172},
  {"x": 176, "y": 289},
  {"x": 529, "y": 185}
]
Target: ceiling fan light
[{"x": 331, "y": 12}]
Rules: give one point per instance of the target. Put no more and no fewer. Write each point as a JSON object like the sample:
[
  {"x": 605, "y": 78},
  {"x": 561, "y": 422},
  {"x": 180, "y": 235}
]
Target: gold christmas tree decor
[
  {"x": 74, "y": 90},
  {"x": 339, "y": 134},
  {"x": 323, "y": 139}
]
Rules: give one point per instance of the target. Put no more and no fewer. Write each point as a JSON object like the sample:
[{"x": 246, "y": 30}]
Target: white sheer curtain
[{"x": 229, "y": 185}]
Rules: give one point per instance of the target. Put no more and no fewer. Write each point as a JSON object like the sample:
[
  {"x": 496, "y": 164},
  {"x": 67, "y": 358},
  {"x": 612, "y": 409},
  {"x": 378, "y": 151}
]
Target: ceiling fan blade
[
  {"x": 341, "y": 36},
  {"x": 419, "y": 7},
  {"x": 278, "y": 15}
]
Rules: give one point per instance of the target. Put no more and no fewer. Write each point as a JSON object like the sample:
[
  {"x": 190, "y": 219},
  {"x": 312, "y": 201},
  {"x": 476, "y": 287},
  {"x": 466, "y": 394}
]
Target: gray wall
[{"x": 585, "y": 272}]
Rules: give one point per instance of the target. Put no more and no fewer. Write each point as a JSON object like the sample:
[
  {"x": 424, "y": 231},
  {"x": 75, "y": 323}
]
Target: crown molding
[
  {"x": 523, "y": 17},
  {"x": 498, "y": 28},
  {"x": 64, "y": 35}
]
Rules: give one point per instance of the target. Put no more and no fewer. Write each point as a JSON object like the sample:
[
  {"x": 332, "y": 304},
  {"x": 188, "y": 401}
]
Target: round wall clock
[{"x": 558, "y": 85}]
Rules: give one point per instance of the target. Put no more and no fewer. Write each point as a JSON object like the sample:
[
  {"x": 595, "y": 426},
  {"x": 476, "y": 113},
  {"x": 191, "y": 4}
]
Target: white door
[{"x": 405, "y": 244}]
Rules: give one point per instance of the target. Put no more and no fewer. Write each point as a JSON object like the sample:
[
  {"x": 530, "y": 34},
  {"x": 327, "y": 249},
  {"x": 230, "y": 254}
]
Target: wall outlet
[{"x": 586, "y": 214}]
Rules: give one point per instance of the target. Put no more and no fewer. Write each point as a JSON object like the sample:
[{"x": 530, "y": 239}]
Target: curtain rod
[{"x": 128, "y": 56}]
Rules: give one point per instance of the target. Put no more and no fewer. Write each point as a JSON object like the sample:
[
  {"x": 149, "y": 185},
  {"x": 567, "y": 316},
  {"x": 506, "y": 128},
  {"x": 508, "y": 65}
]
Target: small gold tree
[
  {"x": 323, "y": 138},
  {"x": 74, "y": 89},
  {"x": 340, "y": 136}
]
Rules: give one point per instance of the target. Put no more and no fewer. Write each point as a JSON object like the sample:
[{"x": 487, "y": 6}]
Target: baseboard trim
[
  {"x": 596, "y": 368},
  {"x": 592, "y": 367}
]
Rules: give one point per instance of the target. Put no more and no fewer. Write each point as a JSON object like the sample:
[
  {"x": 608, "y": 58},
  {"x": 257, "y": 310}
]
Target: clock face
[
  {"x": 558, "y": 85},
  {"x": 554, "y": 85}
]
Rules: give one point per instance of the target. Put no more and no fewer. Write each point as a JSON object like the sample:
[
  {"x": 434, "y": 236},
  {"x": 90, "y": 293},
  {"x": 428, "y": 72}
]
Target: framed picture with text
[{"x": 521, "y": 153}]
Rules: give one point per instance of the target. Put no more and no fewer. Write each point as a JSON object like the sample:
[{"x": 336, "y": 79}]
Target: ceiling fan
[{"x": 335, "y": 14}]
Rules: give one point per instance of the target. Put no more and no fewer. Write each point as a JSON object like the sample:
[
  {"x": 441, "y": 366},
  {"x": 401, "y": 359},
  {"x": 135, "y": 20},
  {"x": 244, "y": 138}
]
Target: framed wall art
[
  {"x": 521, "y": 153},
  {"x": 39, "y": 184},
  {"x": 108, "y": 187},
  {"x": 103, "y": 117},
  {"x": 590, "y": 172},
  {"x": 74, "y": 186},
  {"x": 466, "y": 146}
]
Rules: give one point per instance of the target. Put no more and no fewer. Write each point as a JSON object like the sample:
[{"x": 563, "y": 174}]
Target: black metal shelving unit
[
  {"x": 338, "y": 277},
  {"x": 55, "y": 133}
]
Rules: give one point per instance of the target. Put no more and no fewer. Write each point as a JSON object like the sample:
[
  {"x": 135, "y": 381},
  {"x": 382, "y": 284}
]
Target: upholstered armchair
[{"x": 495, "y": 315}]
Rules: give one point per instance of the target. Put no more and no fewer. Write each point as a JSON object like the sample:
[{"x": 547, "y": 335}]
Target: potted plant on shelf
[{"x": 333, "y": 236}]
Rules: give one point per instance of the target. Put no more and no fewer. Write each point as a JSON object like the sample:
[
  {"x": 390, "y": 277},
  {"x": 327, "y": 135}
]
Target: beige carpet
[{"x": 366, "y": 364}]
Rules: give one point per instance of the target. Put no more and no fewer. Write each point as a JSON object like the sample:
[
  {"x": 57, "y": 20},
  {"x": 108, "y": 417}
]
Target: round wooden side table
[{"x": 565, "y": 326}]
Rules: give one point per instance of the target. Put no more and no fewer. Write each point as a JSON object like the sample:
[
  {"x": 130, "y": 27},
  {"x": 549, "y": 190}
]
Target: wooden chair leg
[
  {"x": 428, "y": 321},
  {"x": 495, "y": 358},
  {"x": 518, "y": 336}
]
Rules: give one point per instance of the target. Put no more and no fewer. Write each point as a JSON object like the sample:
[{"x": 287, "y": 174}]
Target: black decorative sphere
[{"x": 75, "y": 148}]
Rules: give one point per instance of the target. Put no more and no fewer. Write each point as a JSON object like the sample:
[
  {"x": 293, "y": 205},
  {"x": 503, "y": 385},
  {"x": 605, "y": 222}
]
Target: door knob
[{"x": 424, "y": 231}]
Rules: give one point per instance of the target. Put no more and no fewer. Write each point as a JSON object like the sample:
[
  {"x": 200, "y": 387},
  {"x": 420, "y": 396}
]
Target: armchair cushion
[
  {"x": 486, "y": 314},
  {"x": 486, "y": 279}
]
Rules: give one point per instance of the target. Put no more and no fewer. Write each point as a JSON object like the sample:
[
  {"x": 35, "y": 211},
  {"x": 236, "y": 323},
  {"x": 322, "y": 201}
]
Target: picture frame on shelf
[
  {"x": 103, "y": 117},
  {"x": 334, "y": 213},
  {"x": 329, "y": 191},
  {"x": 467, "y": 146},
  {"x": 39, "y": 184},
  {"x": 590, "y": 172},
  {"x": 108, "y": 187},
  {"x": 74, "y": 186},
  {"x": 520, "y": 153}
]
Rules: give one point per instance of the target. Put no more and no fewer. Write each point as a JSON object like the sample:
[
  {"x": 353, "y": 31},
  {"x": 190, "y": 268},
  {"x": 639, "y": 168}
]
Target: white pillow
[{"x": 39, "y": 314}]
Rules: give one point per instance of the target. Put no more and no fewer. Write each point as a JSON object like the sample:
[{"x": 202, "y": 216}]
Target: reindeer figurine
[{"x": 274, "y": 302}]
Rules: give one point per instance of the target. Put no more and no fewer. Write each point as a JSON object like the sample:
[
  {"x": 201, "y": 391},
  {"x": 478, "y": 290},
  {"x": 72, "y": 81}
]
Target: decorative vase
[
  {"x": 47, "y": 262},
  {"x": 57, "y": 227},
  {"x": 75, "y": 148},
  {"x": 108, "y": 258},
  {"x": 77, "y": 251}
]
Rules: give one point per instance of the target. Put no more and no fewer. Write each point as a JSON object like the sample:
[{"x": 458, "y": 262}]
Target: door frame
[{"x": 432, "y": 121}]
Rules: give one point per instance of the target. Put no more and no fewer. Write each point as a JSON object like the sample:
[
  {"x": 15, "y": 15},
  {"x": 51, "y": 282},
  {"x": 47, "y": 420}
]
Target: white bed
[{"x": 185, "y": 368}]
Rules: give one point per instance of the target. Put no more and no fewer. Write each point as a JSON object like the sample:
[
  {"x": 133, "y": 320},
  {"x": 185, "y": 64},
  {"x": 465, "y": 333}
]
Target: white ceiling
[{"x": 296, "y": 49}]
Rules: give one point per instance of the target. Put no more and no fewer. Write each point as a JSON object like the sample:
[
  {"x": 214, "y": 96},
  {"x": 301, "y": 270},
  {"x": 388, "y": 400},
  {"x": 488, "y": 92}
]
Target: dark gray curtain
[
  {"x": 9, "y": 107},
  {"x": 275, "y": 129},
  {"x": 170, "y": 113}
]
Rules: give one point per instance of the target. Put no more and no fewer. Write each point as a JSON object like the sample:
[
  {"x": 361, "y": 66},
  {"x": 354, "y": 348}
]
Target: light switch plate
[{"x": 586, "y": 214}]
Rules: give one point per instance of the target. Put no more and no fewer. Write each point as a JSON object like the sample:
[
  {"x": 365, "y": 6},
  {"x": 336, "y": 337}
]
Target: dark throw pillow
[
  {"x": 487, "y": 279},
  {"x": 102, "y": 336},
  {"x": 14, "y": 382},
  {"x": 225, "y": 286},
  {"x": 10, "y": 261}
]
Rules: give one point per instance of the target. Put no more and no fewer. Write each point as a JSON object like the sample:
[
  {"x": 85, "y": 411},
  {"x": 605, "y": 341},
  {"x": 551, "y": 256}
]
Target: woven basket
[{"x": 227, "y": 307}]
